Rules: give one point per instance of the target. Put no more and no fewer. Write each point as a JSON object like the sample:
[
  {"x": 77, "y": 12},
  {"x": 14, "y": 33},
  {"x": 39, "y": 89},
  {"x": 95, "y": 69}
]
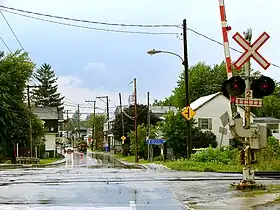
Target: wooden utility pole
[
  {"x": 30, "y": 123},
  {"x": 30, "y": 117},
  {"x": 120, "y": 97},
  {"x": 79, "y": 123},
  {"x": 148, "y": 124},
  {"x": 93, "y": 126},
  {"x": 186, "y": 66},
  {"x": 108, "y": 121},
  {"x": 135, "y": 121}
]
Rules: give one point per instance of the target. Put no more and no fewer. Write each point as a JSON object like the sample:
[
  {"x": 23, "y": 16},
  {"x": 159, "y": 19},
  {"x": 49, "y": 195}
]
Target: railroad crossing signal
[
  {"x": 248, "y": 102},
  {"x": 123, "y": 139},
  {"x": 251, "y": 51},
  {"x": 188, "y": 113}
]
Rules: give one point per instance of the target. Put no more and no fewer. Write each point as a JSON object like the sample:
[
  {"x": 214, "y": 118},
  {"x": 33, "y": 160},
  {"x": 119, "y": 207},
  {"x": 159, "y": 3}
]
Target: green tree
[
  {"x": 98, "y": 122},
  {"x": 141, "y": 134},
  {"x": 15, "y": 72},
  {"x": 174, "y": 128},
  {"x": 47, "y": 94},
  {"x": 142, "y": 111}
]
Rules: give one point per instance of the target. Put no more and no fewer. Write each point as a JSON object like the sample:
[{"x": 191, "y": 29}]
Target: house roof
[
  {"x": 266, "y": 120},
  {"x": 205, "y": 99}
]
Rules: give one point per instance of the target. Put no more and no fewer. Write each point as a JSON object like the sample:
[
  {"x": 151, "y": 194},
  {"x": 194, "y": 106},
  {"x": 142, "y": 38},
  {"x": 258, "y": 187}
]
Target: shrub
[{"x": 226, "y": 155}]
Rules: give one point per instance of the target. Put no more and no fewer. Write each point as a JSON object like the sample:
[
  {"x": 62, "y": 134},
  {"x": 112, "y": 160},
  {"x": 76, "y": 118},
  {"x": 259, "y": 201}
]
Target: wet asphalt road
[{"x": 91, "y": 182}]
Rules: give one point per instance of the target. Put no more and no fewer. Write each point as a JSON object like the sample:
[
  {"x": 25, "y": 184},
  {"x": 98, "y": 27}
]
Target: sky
[{"x": 91, "y": 63}]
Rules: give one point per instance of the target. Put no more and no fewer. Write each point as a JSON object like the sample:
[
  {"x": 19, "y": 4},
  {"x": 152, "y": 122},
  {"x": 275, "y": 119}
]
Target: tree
[
  {"x": 174, "y": 128},
  {"x": 142, "y": 111},
  {"x": 47, "y": 94},
  {"x": 141, "y": 134},
  {"x": 15, "y": 72},
  {"x": 98, "y": 122},
  {"x": 271, "y": 104},
  {"x": 203, "y": 80}
]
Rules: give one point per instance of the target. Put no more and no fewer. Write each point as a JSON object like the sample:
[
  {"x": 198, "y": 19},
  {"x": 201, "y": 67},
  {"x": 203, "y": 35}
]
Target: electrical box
[{"x": 259, "y": 137}]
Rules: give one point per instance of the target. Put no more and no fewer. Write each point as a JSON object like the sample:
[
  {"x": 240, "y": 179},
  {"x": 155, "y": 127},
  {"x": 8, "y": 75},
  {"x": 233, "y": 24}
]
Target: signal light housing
[
  {"x": 263, "y": 86},
  {"x": 235, "y": 86}
]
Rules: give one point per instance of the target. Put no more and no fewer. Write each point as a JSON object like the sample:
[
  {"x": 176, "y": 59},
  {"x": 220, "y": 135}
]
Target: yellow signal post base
[{"x": 248, "y": 185}]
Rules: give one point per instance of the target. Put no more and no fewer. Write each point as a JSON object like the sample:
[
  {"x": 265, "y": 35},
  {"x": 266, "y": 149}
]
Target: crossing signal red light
[
  {"x": 263, "y": 86},
  {"x": 235, "y": 86}
]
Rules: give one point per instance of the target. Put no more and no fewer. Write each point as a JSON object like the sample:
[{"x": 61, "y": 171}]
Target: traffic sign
[
  {"x": 123, "y": 139},
  {"x": 155, "y": 141},
  {"x": 225, "y": 119},
  {"x": 188, "y": 113},
  {"x": 249, "y": 94},
  {"x": 248, "y": 102},
  {"x": 251, "y": 51}
]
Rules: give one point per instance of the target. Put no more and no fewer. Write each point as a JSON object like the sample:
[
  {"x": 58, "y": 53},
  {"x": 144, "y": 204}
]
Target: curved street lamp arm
[{"x": 172, "y": 53}]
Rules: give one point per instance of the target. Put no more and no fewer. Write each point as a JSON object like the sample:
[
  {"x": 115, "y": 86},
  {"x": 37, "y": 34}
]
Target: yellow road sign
[
  {"x": 123, "y": 138},
  {"x": 188, "y": 113}
]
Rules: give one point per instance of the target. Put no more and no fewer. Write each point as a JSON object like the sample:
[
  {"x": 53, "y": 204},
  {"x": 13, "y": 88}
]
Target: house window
[
  {"x": 205, "y": 123},
  {"x": 273, "y": 127}
]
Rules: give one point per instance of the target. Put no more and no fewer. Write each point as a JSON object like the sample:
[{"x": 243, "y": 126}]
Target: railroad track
[{"x": 267, "y": 174}]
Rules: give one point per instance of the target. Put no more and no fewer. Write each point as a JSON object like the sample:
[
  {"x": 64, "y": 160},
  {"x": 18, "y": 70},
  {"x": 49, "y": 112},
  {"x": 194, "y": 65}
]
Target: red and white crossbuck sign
[{"x": 251, "y": 51}]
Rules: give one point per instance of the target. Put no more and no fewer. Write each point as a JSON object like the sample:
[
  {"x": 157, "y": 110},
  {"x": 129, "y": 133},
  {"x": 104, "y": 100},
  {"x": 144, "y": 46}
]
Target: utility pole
[
  {"x": 30, "y": 122},
  {"x": 148, "y": 123},
  {"x": 135, "y": 121},
  {"x": 186, "y": 66},
  {"x": 79, "y": 123},
  {"x": 108, "y": 122},
  {"x": 67, "y": 119},
  {"x": 93, "y": 127},
  {"x": 120, "y": 97}
]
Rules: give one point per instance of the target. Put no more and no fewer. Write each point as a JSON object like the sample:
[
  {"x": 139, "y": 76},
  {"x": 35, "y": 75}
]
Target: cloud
[
  {"x": 71, "y": 87},
  {"x": 95, "y": 67}
]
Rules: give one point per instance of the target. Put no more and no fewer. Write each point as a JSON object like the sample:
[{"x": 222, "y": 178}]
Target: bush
[
  {"x": 271, "y": 152},
  {"x": 226, "y": 155}
]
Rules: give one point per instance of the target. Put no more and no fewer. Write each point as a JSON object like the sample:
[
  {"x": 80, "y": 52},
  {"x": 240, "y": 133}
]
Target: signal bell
[
  {"x": 235, "y": 86},
  {"x": 263, "y": 86}
]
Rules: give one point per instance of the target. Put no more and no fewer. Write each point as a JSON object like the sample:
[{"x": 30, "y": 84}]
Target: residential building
[
  {"x": 209, "y": 109},
  {"x": 272, "y": 123},
  {"x": 50, "y": 116}
]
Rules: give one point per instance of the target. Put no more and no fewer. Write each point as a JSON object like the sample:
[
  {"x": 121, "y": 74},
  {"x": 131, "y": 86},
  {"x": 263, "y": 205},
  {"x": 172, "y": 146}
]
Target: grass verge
[
  {"x": 130, "y": 159},
  {"x": 49, "y": 160},
  {"x": 188, "y": 165}
]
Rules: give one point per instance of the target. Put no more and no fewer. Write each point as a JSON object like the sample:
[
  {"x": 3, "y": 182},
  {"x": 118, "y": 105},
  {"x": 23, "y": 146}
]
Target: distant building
[{"x": 50, "y": 116}]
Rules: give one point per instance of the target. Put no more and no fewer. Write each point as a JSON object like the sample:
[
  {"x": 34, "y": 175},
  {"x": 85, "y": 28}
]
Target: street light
[
  {"x": 153, "y": 52},
  {"x": 186, "y": 72}
]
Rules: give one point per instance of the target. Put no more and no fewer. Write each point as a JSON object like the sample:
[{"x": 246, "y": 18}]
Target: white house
[
  {"x": 209, "y": 109},
  {"x": 272, "y": 123}
]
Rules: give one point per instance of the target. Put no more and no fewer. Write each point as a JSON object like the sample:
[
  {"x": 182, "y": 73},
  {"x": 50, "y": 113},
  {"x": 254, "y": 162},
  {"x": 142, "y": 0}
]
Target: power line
[
  {"x": 19, "y": 42},
  {"x": 220, "y": 43},
  {"x": 93, "y": 22},
  {"x": 12, "y": 30},
  {"x": 111, "y": 24},
  {"x": 5, "y": 44},
  {"x": 95, "y": 28}
]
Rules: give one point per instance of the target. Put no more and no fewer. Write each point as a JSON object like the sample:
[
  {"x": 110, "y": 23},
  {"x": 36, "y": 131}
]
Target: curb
[{"x": 14, "y": 166}]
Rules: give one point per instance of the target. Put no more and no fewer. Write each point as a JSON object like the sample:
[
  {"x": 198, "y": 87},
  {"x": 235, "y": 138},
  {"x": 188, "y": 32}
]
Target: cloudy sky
[{"x": 90, "y": 62}]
